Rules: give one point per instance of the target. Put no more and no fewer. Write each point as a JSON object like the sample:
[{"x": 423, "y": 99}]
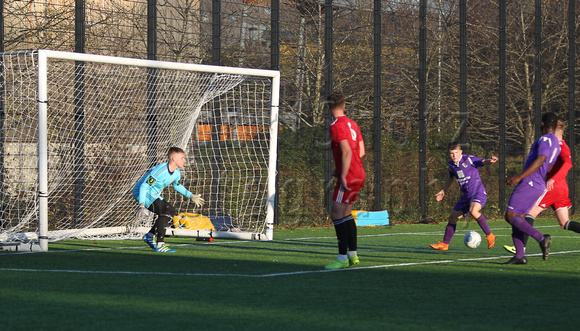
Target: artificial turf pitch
[{"x": 401, "y": 283}]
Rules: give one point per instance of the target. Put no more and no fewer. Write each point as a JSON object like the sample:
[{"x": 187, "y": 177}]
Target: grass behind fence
[{"x": 281, "y": 285}]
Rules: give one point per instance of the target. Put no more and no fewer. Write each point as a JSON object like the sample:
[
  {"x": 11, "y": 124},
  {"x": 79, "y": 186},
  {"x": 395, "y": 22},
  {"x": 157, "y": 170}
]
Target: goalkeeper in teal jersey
[{"x": 147, "y": 192}]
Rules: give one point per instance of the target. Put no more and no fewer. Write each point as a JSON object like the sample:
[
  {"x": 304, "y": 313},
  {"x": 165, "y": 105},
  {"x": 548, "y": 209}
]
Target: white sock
[
  {"x": 342, "y": 257},
  {"x": 351, "y": 253}
]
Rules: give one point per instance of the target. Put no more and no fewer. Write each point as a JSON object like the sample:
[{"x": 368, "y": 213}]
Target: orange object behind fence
[
  {"x": 248, "y": 132},
  {"x": 225, "y": 132},
  {"x": 204, "y": 132}
]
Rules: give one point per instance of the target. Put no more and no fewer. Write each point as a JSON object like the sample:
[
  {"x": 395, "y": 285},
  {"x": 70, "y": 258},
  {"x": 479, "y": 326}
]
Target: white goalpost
[{"x": 77, "y": 131}]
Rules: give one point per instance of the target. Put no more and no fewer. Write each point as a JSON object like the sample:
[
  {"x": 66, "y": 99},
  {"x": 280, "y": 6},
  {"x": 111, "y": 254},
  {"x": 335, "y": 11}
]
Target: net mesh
[{"x": 108, "y": 124}]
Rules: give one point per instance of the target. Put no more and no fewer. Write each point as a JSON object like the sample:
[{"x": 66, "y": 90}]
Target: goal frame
[{"x": 43, "y": 195}]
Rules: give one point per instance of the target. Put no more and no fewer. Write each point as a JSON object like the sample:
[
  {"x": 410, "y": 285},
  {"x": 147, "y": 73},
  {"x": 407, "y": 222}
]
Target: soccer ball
[{"x": 472, "y": 239}]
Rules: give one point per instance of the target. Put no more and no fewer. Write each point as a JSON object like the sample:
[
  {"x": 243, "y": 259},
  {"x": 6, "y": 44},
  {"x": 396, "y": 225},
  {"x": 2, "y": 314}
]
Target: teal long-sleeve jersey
[{"x": 149, "y": 187}]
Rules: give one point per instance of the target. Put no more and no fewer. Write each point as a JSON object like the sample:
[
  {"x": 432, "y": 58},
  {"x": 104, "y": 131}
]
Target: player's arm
[
  {"x": 490, "y": 161},
  {"x": 361, "y": 146},
  {"x": 564, "y": 168},
  {"x": 441, "y": 194},
  {"x": 145, "y": 188},
  {"x": 531, "y": 169},
  {"x": 181, "y": 189},
  {"x": 559, "y": 174},
  {"x": 142, "y": 192},
  {"x": 346, "y": 152},
  {"x": 195, "y": 198}
]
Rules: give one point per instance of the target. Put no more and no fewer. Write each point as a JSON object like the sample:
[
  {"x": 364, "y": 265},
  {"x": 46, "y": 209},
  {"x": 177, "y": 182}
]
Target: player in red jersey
[
  {"x": 557, "y": 191},
  {"x": 347, "y": 149}
]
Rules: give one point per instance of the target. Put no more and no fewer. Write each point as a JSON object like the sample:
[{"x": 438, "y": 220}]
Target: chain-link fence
[{"x": 417, "y": 75}]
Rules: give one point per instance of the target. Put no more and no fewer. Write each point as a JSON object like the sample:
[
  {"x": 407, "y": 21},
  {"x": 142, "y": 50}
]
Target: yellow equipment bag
[{"x": 192, "y": 221}]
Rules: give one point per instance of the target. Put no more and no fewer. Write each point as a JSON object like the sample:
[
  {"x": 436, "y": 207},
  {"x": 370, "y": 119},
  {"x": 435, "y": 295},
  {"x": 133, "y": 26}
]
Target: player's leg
[
  {"x": 475, "y": 210},
  {"x": 449, "y": 231},
  {"x": 356, "y": 186},
  {"x": 512, "y": 249},
  {"x": 339, "y": 220},
  {"x": 165, "y": 212},
  {"x": 564, "y": 220},
  {"x": 561, "y": 205},
  {"x": 521, "y": 224},
  {"x": 460, "y": 209},
  {"x": 352, "y": 231},
  {"x": 352, "y": 240},
  {"x": 535, "y": 211},
  {"x": 519, "y": 257},
  {"x": 541, "y": 204},
  {"x": 341, "y": 217},
  {"x": 572, "y": 226},
  {"x": 530, "y": 218},
  {"x": 523, "y": 198},
  {"x": 344, "y": 225},
  {"x": 452, "y": 225},
  {"x": 149, "y": 237}
]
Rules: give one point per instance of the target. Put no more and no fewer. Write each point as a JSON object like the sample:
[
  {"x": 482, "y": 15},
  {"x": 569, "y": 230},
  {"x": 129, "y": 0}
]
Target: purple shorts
[
  {"x": 465, "y": 202},
  {"x": 524, "y": 197}
]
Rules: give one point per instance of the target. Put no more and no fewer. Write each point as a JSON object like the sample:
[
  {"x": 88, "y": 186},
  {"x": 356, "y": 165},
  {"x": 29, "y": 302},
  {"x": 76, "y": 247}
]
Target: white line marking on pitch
[
  {"x": 257, "y": 241},
  {"x": 303, "y": 272},
  {"x": 386, "y": 266}
]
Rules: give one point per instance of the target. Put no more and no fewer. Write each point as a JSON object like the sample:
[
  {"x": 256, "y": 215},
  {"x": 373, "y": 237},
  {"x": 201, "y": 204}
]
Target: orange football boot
[
  {"x": 440, "y": 246},
  {"x": 490, "y": 240}
]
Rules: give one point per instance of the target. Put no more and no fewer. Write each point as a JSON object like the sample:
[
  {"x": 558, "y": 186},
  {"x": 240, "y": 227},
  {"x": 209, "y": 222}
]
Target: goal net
[{"x": 78, "y": 131}]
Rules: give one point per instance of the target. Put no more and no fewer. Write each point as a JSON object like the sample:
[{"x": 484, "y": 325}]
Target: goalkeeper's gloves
[
  {"x": 197, "y": 200},
  {"x": 142, "y": 212}
]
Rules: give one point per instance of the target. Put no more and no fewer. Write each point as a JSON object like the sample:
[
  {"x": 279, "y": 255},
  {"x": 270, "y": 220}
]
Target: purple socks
[
  {"x": 449, "y": 232},
  {"x": 483, "y": 224}
]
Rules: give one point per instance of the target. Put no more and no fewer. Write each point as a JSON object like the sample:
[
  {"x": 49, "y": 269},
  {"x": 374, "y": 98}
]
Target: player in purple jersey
[
  {"x": 531, "y": 184},
  {"x": 557, "y": 191},
  {"x": 464, "y": 168}
]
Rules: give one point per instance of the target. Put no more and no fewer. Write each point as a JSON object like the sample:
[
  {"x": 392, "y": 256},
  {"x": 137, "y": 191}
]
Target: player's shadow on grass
[
  {"x": 370, "y": 250},
  {"x": 287, "y": 247}
]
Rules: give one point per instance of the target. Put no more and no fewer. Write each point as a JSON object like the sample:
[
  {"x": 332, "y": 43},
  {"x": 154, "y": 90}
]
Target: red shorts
[
  {"x": 347, "y": 197},
  {"x": 556, "y": 198}
]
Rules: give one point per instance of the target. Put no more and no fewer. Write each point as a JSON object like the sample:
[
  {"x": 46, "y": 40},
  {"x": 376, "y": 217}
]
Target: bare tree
[
  {"x": 180, "y": 30},
  {"x": 36, "y": 25},
  {"x": 309, "y": 59},
  {"x": 521, "y": 71}
]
